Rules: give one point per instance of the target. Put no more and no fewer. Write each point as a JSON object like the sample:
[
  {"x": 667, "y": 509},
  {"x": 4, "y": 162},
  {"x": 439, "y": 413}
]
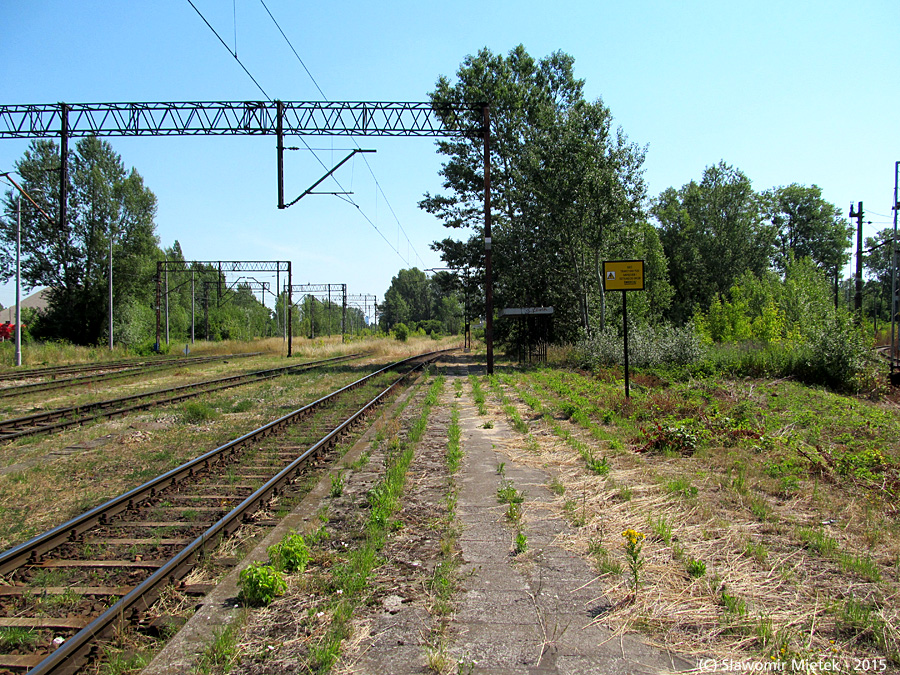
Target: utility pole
[
  {"x": 18, "y": 286},
  {"x": 110, "y": 290},
  {"x": 894, "y": 376},
  {"x": 488, "y": 281},
  {"x": 167, "y": 303},
  {"x": 858, "y": 214}
]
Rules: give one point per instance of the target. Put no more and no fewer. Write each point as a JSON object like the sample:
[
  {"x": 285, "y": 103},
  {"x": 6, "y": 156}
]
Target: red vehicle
[{"x": 8, "y": 331}]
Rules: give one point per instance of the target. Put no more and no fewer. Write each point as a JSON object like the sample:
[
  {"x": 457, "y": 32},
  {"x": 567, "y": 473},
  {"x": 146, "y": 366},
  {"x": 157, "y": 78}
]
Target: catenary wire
[
  {"x": 365, "y": 159},
  {"x": 233, "y": 53}
]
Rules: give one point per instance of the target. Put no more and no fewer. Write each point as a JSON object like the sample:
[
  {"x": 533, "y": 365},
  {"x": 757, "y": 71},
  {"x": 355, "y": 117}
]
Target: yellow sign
[{"x": 623, "y": 275}]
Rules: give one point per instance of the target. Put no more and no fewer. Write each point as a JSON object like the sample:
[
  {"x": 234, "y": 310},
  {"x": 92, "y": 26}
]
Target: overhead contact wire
[
  {"x": 233, "y": 53},
  {"x": 368, "y": 166}
]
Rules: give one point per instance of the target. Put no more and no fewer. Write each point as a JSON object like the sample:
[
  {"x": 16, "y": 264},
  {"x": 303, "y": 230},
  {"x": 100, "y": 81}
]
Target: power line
[
  {"x": 368, "y": 166},
  {"x": 294, "y": 50},
  {"x": 233, "y": 53},
  {"x": 353, "y": 203}
]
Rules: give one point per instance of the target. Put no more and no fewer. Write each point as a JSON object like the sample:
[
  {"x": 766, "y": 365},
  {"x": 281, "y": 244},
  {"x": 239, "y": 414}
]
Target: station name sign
[
  {"x": 623, "y": 275},
  {"x": 525, "y": 311}
]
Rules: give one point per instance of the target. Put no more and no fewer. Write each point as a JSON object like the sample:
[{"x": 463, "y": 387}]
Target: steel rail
[
  {"x": 71, "y": 654},
  {"x": 37, "y": 546},
  {"x": 68, "y": 419},
  {"x": 32, "y": 373},
  {"x": 119, "y": 373}
]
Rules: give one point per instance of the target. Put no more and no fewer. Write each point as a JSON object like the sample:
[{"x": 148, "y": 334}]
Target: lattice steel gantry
[{"x": 260, "y": 118}]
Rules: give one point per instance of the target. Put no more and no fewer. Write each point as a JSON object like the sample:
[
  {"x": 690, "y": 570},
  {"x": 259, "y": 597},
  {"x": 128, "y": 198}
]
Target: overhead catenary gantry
[
  {"x": 222, "y": 268},
  {"x": 323, "y": 292},
  {"x": 259, "y": 118},
  {"x": 363, "y": 301}
]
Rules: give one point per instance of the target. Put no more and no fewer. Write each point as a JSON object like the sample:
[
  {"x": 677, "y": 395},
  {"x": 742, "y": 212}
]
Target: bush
[
  {"x": 431, "y": 326},
  {"x": 290, "y": 554},
  {"x": 837, "y": 355},
  {"x": 195, "y": 412},
  {"x": 260, "y": 584},
  {"x": 400, "y": 331},
  {"x": 680, "y": 437},
  {"x": 647, "y": 346}
]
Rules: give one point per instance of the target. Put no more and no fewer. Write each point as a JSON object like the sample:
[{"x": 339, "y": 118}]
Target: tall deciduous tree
[
  {"x": 879, "y": 268},
  {"x": 564, "y": 184},
  {"x": 72, "y": 259},
  {"x": 712, "y": 232},
  {"x": 408, "y": 300},
  {"x": 806, "y": 225}
]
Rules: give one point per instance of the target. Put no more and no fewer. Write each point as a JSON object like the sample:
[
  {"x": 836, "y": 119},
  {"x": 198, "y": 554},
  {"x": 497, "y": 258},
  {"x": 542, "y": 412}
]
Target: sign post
[{"x": 624, "y": 275}]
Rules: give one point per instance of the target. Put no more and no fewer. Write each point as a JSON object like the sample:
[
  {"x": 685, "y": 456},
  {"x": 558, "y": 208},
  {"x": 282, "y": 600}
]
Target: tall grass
[{"x": 35, "y": 354}]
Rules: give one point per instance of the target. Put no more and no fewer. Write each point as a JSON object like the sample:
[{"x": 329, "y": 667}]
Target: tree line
[
  {"x": 568, "y": 192},
  {"x": 111, "y": 219}
]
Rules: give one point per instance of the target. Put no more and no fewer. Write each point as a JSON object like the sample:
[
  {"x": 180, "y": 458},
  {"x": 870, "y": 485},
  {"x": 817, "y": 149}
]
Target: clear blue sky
[{"x": 787, "y": 90}]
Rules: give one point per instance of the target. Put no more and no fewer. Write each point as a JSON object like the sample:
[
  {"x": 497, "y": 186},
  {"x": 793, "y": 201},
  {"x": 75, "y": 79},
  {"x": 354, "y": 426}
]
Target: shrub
[
  {"x": 671, "y": 437},
  {"x": 195, "y": 412},
  {"x": 400, "y": 331},
  {"x": 290, "y": 554},
  {"x": 260, "y": 584},
  {"x": 837, "y": 354},
  {"x": 647, "y": 346},
  {"x": 430, "y": 326}
]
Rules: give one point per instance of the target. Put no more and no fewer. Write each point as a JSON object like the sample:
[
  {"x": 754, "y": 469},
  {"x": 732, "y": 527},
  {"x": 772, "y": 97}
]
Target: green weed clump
[
  {"x": 260, "y": 584},
  {"x": 521, "y": 543},
  {"x": 676, "y": 437},
  {"x": 196, "y": 412},
  {"x": 291, "y": 554}
]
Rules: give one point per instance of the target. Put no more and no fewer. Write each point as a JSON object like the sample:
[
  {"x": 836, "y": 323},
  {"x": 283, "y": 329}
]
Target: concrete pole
[
  {"x": 110, "y": 290},
  {"x": 18, "y": 286}
]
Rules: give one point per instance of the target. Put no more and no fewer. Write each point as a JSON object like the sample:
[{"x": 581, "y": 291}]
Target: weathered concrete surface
[
  {"x": 220, "y": 608},
  {"x": 532, "y": 613}
]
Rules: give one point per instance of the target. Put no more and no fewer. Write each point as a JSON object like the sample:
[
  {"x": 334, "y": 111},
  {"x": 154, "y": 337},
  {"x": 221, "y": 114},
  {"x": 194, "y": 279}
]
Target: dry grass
[
  {"x": 57, "y": 353},
  {"x": 807, "y": 572}
]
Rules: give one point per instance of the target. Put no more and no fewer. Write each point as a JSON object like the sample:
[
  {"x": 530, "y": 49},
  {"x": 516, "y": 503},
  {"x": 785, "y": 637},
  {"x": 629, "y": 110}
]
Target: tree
[
  {"x": 104, "y": 201},
  {"x": 878, "y": 267},
  {"x": 712, "y": 232},
  {"x": 563, "y": 183},
  {"x": 408, "y": 300},
  {"x": 806, "y": 225}
]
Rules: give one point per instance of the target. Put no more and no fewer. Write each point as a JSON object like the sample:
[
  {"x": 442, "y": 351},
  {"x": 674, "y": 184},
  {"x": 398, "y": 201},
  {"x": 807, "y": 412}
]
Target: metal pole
[
  {"x": 277, "y": 288},
  {"x": 344, "y": 315},
  {"x": 167, "y": 303},
  {"x": 894, "y": 273},
  {"x": 193, "y": 302},
  {"x": 290, "y": 327},
  {"x": 158, "y": 301},
  {"x": 110, "y": 290},
  {"x": 279, "y": 132},
  {"x": 18, "y": 286},
  {"x": 488, "y": 282},
  {"x": 625, "y": 323},
  {"x": 63, "y": 164},
  {"x": 857, "y": 302}
]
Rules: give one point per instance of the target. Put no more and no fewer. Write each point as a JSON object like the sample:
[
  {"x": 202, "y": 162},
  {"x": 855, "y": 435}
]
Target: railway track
[
  {"x": 80, "y": 581},
  {"x": 62, "y": 418},
  {"x": 104, "y": 375},
  {"x": 53, "y": 371}
]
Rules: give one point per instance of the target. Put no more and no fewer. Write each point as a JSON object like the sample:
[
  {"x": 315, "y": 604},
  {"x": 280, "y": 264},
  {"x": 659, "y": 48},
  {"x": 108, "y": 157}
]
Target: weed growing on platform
[
  {"x": 634, "y": 542},
  {"x": 260, "y": 584}
]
